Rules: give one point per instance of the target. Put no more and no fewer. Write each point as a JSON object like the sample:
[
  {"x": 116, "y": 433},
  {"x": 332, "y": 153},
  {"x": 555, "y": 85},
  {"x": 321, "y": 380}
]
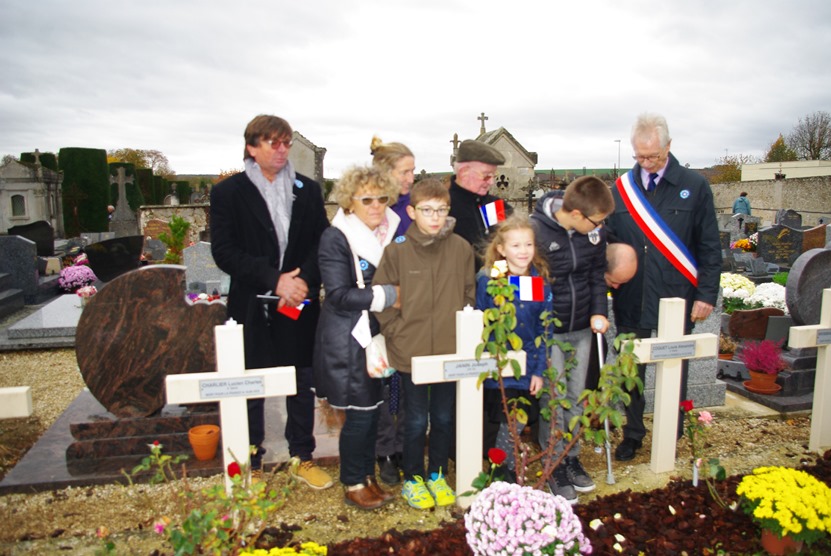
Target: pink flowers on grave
[
  {"x": 510, "y": 519},
  {"x": 75, "y": 277},
  {"x": 705, "y": 418},
  {"x": 87, "y": 291}
]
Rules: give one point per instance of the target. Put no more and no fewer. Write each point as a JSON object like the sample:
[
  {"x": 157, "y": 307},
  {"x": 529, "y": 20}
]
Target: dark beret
[{"x": 476, "y": 151}]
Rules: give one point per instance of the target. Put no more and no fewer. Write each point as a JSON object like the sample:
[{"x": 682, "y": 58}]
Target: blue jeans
[
  {"x": 436, "y": 402},
  {"x": 357, "y": 445},
  {"x": 580, "y": 340}
]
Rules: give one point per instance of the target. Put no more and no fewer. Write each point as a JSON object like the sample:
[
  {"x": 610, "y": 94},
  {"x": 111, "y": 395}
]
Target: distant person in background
[
  {"x": 398, "y": 161},
  {"x": 110, "y": 211},
  {"x": 742, "y": 204}
]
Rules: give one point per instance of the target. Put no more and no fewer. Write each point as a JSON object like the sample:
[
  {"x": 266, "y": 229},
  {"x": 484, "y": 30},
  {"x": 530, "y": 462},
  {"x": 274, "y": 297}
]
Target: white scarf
[{"x": 362, "y": 241}]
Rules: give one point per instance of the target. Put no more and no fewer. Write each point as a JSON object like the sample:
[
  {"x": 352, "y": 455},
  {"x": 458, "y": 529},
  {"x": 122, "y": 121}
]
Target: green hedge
[
  {"x": 47, "y": 160},
  {"x": 87, "y": 179},
  {"x": 144, "y": 178}
]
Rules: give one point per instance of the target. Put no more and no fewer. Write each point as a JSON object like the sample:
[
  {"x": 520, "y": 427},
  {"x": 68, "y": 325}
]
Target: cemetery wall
[
  {"x": 150, "y": 217},
  {"x": 811, "y": 197}
]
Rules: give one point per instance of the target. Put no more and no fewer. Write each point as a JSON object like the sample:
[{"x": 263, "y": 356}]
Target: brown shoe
[
  {"x": 372, "y": 483},
  {"x": 363, "y": 497}
]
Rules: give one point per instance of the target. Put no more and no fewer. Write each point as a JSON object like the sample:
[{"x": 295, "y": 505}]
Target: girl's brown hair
[{"x": 514, "y": 222}]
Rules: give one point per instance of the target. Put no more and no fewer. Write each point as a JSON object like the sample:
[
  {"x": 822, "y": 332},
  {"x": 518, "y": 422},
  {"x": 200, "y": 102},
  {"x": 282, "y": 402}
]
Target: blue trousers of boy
[{"x": 427, "y": 401}]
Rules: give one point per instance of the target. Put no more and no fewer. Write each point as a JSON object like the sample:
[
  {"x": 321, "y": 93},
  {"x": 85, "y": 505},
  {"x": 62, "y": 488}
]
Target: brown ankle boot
[
  {"x": 384, "y": 495},
  {"x": 363, "y": 497}
]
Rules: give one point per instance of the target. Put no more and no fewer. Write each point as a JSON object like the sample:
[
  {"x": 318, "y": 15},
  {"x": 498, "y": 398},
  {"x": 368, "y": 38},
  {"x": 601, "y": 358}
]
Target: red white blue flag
[
  {"x": 655, "y": 229},
  {"x": 293, "y": 312},
  {"x": 530, "y": 287},
  {"x": 493, "y": 213}
]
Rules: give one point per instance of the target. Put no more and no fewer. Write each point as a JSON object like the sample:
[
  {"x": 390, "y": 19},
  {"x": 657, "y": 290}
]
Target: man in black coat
[
  {"x": 683, "y": 202},
  {"x": 266, "y": 224},
  {"x": 474, "y": 168}
]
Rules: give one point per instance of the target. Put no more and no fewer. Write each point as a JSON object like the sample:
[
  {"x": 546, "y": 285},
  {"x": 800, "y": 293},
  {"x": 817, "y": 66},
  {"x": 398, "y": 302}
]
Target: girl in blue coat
[{"x": 514, "y": 243}]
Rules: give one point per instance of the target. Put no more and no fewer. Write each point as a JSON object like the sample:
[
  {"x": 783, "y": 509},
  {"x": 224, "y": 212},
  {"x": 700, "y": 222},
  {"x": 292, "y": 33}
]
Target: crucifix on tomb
[
  {"x": 667, "y": 351},
  {"x": 482, "y": 119},
  {"x": 232, "y": 385},
  {"x": 818, "y": 336},
  {"x": 463, "y": 369}
]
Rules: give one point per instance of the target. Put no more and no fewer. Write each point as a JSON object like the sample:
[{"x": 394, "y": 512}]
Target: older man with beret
[{"x": 475, "y": 168}]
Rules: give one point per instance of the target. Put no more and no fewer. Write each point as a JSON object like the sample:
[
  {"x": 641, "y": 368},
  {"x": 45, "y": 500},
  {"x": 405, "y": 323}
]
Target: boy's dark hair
[
  {"x": 590, "y": 195},
  {"x": 427, "y": 189}
]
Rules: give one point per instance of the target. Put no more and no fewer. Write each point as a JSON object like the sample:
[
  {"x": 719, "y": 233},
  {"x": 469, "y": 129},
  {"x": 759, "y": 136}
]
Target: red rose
[
  {"x": 497, "y": 456},
  {"x": 687, "y": 406},
  {"x": 233, "y": 469},
  {"x": 155, "y": 443}
]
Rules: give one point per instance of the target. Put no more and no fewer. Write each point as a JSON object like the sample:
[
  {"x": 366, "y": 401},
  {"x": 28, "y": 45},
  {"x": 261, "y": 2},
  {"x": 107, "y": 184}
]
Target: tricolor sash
[
  {"x": 493, "y": 212},
  {"x": 655, "y": 229},
  {"x": 530, "y": 287}
]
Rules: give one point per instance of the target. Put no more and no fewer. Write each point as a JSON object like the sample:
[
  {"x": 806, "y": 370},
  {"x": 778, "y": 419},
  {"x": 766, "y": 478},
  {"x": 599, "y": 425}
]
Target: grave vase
[
  {"x": 204, "y": 440},
  {"x": 764, "y": 380},
  {"x": 779, "y": 546}
]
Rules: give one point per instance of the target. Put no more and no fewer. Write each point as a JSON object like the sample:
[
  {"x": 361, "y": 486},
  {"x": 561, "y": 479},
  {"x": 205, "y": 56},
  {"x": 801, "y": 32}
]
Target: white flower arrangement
[
  {"x": 736, "y": 285},
  {"x": 769, "y": 295}
]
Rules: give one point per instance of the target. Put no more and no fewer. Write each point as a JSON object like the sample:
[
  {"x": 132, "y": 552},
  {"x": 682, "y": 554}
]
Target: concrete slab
[{"x": 15, "y": 402}]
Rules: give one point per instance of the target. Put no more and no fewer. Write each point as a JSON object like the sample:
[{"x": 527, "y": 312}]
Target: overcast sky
[{"x": 566, "y": 78}]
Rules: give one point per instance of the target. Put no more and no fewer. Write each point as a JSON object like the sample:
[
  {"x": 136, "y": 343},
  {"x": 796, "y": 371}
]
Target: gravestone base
[
  {"x": 778, "y": 402},
  {"x": 732, "y": 369},
  {"x": 109, "y": 445},
  {"x": 800, "y": 359},
  {"x": 796, "y": 382}
]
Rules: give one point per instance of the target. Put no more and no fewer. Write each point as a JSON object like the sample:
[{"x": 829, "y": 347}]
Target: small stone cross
[
  {"x": 482, "y": 119},
  {"x": 668, "y": 350},
  {"x": 122, "y": 208},
  {"x": 232, "y": 385},
  {"x": 819, "y": 336},
  {"x": 463, "y": 368}
]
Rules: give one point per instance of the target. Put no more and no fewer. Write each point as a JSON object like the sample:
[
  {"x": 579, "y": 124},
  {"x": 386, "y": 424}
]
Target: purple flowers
[
  {"x": 74, "y": 277},
  {"x": 507, "y": 519}
]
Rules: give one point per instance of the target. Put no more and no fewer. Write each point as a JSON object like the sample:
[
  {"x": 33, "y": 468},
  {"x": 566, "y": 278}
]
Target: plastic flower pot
[
  {"x": 204, "y": 440},
  {"x": 778, "y": 546}
]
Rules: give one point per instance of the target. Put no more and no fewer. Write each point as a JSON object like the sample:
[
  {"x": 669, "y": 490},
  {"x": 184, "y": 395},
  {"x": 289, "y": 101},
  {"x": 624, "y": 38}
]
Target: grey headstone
[
  {"x": 751, "y": 225},
  {"x": 201, "y": 267},
  {"x": 19, "y": 261},
  {"x": 742, "y": 258},
  {"x": 758, "y": 267},
  {"x": 811, "y": 273},
  {"x": 779, "y": 244},
  {"x": 726, "y": 253},
  {"x": 114, "y": 257},
  {"x": 779, "y": 328},
  {"x": 789, "y": 217},
  {"x": 41, "y": 233},
  {"x": 156, "y": 248}
]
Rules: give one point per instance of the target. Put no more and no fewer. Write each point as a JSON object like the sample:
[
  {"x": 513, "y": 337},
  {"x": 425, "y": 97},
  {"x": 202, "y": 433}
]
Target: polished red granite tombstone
[
  {"x": 138, "y": 329},
  {"x": 752, "y": 324}
]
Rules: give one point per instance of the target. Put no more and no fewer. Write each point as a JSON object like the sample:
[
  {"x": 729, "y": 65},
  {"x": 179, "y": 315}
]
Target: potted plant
[
  {"x": 788, "y": 505},
  {"x": 764, "y": 361},
  {"x": 726, "y": 347}
]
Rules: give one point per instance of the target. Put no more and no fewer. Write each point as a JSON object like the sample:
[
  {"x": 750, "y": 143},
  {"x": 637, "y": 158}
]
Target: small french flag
[
  {"x": 293, "y": 312},
  {"x": 530, "y": 287},
  {"x": 493, "y": 212}
]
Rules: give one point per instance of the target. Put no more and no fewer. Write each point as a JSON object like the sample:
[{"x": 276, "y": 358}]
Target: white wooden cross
[
  {"x": 461, "y": 367},
  {"x": 15, "y": 402},
  {"x": 819, "y": 336},
  {"x": 668, "y": 350},
  {"x": 232, "y": 386}
]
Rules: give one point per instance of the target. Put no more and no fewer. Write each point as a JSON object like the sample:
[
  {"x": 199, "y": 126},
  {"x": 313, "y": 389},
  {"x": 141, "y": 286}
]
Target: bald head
[{"x": 621, "y": 264}]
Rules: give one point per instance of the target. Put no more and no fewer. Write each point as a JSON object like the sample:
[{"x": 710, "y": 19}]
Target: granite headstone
[
  {"x": 41, "y": 233},
  {"x": 811, "y": 273},
  {"x": 19, "y": 261},
  {"x": 752, "y": 324},
  {"x": 131, "y": 335},
  {"x": 203, "y": 275},
  {"x": 789, "y": 217},
  {"x": 813, "y": 238},
  {"x": 155, "y": 248},
  {"x": 113, "y": 257},
  {"x": 779, "y": 244}
]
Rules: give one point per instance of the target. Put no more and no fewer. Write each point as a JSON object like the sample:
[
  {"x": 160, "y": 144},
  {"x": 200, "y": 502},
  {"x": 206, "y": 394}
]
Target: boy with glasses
[
  {"x": 569, "y": 232},
  {"x": 434, "y": 269}
]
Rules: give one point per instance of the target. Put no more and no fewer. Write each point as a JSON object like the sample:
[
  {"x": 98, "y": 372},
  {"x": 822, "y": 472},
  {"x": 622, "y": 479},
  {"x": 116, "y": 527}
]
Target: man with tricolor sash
[
  {"x": 476, "y": 211},
  {"x": 666, "y": 212}
]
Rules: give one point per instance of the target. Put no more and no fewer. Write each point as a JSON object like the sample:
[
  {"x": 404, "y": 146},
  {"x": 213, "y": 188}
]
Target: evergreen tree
[{"x": 86, "y": 190}]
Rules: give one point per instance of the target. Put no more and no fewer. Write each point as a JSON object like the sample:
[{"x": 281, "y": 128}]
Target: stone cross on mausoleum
[{"x": 482, "y": 119}]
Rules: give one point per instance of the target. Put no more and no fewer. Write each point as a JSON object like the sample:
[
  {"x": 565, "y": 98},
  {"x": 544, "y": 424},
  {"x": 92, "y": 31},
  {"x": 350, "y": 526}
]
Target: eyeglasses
[
  {"x": 430, "y": 211},
  {"x": 650, "y": 158},
  {"x": 486, "y": 177},
  {"x": 275, "y": 143},
  {"x": 368, "y": 199},
  {"x": 596, "y": 224}
]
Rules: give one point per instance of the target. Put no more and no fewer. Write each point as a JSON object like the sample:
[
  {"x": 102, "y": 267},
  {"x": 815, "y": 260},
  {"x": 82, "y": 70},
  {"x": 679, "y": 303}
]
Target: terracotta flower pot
[
  {"x": 204, "y": 439},
  {"x": 776, "y": 546},
  {"x": 725, "y": 356},
  {"x": 762, "y": 379}
]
